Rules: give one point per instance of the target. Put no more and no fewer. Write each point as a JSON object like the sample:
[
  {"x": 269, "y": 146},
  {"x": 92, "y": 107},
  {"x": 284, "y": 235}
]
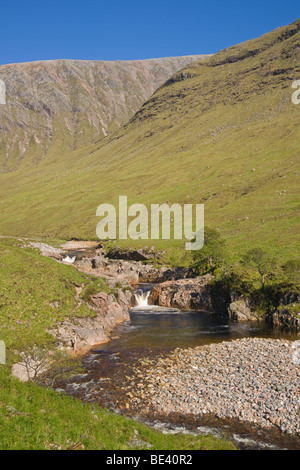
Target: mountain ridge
[{"x": 72, "y": 102}]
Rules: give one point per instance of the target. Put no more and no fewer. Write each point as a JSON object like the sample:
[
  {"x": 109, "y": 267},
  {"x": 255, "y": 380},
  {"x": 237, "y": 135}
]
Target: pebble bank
[{"x": 256, "y": 380}]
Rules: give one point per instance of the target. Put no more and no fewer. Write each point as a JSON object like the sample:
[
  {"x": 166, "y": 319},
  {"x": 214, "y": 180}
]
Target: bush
[
  {"x": 291, "y": 270},
  {"x": 213, "y": 255}
]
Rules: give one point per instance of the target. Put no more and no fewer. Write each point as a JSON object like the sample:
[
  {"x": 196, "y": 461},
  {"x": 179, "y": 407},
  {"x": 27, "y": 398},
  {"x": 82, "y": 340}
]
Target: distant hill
[
  {"x": 59, "y": 105},
  {"x": 222, "y": 131}
]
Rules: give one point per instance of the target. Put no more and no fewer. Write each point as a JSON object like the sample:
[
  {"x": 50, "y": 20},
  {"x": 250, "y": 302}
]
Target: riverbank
[
  {"x": 254, "y": 380},
  {"x": 39, "y": 295},
  {"x": 181, "y": 287},
  {"x": 61, "y": 295},
  {"x": 38, "y": 418}
]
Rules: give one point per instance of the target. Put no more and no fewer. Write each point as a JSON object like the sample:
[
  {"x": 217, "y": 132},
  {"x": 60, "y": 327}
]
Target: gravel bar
[{"x": 254, "y": 380}]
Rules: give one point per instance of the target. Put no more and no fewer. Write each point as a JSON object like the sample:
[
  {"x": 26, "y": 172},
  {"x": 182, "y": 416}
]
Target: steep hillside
[
  {"x": 223, "y": 132},
  {"x": 54, "y": 106}
]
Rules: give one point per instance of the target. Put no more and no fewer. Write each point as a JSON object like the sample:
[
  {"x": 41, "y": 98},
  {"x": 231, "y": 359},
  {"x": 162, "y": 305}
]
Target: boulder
[
  {"x": 240, "y": 310},
  {"x": 110, "y": 309},
  {"x": 285, "y": 316},
  {"x": 185, "y": 294},
  {"x": 131, "y": 255}
]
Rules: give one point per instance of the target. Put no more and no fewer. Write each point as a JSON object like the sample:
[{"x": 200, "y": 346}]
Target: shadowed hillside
[{"x": 58, "y": 105}]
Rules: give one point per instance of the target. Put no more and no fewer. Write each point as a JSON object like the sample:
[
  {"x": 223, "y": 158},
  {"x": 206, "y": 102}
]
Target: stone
[
  {"x": 185, "y": 294},
  {"x": 252, "y": 392},
  {"x": 95, "y": 329},
  {"x": 239, "y": 310},
  {"x": 2, "y": 352}
]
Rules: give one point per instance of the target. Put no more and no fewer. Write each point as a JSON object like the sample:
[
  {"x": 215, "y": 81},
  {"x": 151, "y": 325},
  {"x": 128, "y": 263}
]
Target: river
[{"x": 154, "y": 331}]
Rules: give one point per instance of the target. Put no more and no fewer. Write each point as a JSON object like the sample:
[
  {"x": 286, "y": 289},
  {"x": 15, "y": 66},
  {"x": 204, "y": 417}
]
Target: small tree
[
  {"x": 261, "y": 262},
  {"x": 213, "y": 254},
  {"x": 35, "y": 360}
]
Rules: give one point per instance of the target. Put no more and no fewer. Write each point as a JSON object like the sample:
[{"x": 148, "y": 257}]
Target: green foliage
[
  {"x": 291, "y": 271},
  {"x": 177, "y": 256},
  {"x": 213, "y": 255},
  {"x": 261, "y": 262},
  {"x": 89, "y": 290}
]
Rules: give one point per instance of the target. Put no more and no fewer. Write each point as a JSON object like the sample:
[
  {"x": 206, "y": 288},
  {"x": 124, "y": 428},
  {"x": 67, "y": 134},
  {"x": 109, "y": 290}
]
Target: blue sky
[{"x": 111, "y": 30}]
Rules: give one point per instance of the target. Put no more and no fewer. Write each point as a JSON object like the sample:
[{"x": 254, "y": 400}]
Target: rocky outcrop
[
  {"x": 185, "y": 294},
  {"x": 174, "y": 288},
  {"x": 174, "y": 274},
  {"x": 142, "y": 254},
  {"x": 91, "y": 258},
  {"x": 134, "y": 268},
  {"x": 47, "y": 250},
  {"x": 285, "y": 316},
  {"x": 201, "y": 294},
  {"x": 287, "y": 312},
  {"x": 109, "y": 269},
  {"x": 133, "y": 271},
  {"x": 240, "y": 310},
  {"x": 108, "y": 310}
]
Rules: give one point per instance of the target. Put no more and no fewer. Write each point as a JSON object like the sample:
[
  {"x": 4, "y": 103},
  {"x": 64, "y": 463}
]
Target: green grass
[
  {"x": 35, "y": 418},
  {"x": 37, "y": 292},
  {"x": 226, "y": 136}
]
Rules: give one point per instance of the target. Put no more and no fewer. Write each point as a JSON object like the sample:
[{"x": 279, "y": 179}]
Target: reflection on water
[
  {"x": 151, "y": 326},
  {"x": 155, "y": 329}
]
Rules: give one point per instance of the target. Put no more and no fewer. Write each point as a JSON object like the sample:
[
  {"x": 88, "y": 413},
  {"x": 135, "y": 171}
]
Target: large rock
[
  {"x": 89, "y": 331},
  {"x": 240, "y": 310},
  {"x": 173, "y": 274},
  {"x": 131, "y": 255},
  {"x": 148, "y": 273},
  {"x": 185, "y": 294},
  {"x": 285, "y": 316},
  {"x": 102, "y": 267}
]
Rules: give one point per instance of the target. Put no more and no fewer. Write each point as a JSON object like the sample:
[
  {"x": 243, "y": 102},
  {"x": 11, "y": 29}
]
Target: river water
[{"x": 153, "y": 331}]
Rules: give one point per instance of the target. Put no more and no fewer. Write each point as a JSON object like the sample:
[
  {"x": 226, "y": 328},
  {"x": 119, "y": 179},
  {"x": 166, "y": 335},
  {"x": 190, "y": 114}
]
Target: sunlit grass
[{"x": 227, "y": 137}]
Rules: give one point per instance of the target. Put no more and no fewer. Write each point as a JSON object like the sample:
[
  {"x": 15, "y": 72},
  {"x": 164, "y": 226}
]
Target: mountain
[
  {"x": 64, "y": 104},
  {"x": 222, "y": 131}
]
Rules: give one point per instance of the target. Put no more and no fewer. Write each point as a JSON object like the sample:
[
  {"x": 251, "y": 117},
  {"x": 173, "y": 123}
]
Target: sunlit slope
[{"x": 223, "y": 132}]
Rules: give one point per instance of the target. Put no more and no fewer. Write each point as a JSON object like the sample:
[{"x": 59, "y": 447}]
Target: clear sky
[{"x": 115, "y": 29}]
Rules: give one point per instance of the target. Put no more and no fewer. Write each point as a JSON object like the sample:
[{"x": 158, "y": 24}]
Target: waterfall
[
  {"x": 141, "y": 298},
  {"x": 69, "y": 259}
]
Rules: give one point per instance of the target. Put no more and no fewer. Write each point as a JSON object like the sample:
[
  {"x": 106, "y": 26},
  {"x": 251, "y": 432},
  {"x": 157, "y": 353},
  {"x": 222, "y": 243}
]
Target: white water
[
  {"x": 143, "y": 306},
  {"x": 142, "y": 298},
  {"x": 69, "y": 259}
]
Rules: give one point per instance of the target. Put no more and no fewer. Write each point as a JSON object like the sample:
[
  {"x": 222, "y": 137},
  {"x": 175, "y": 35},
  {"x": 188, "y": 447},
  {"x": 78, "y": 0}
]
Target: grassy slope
[
  {"x": 29, "y": 285},
  {"x": 224, "y": 133}
]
